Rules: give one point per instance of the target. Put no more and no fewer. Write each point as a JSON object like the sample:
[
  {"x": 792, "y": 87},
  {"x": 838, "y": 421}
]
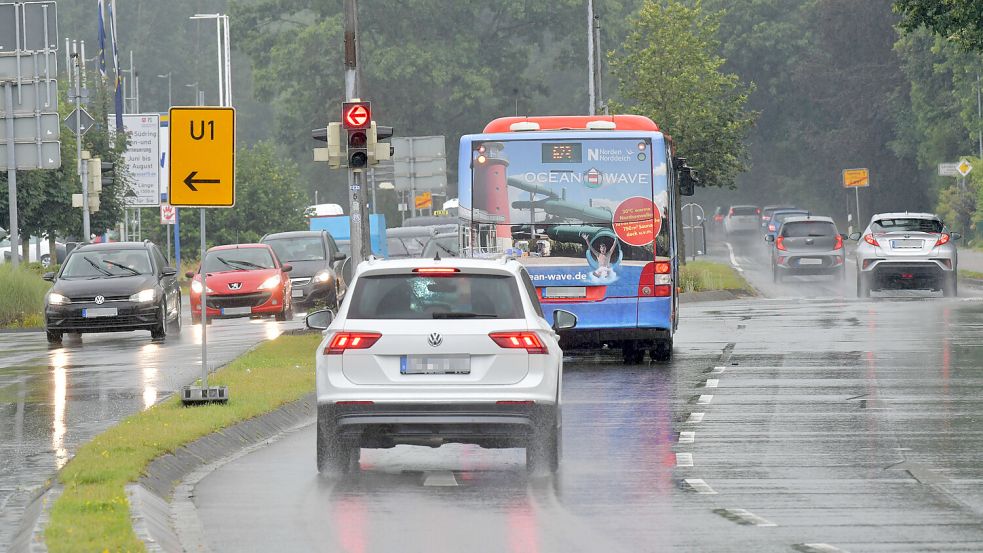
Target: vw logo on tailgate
[
  {"x": 435, "y": 339},
  {"x": 235, "y": 285}
]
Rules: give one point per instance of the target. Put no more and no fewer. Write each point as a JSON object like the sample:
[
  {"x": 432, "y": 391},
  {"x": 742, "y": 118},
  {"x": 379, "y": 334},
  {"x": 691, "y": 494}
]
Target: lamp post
[
  {"x": 194, "y": 85},
  {"x": 168, "y": 77}
]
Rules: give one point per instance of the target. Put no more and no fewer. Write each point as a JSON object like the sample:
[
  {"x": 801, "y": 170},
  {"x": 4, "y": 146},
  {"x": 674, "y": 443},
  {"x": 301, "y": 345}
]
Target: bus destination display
[{"x": 562, "y": 152}]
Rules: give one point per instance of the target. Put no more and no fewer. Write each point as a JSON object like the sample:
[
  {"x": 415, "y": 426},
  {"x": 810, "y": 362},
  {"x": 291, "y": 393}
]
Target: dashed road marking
[
  {"x": 687, "y": 437},
  {"x": 718, "y": 370},
  {"x": 733, "y": 258},
  {"x": 440, "y": 478},
  {"x": 704, "y": 399},
  {"x": 695, "y": 417},
  {"x": 712, "y": 382},
  {"x": 684, "y": 459},
  {"x": 699, "y": 486},
  {"x": 744, "y": 517},
  {"x": 817, "y": 548}
]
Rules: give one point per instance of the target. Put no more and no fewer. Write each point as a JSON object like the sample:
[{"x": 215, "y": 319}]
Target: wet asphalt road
[
  {"x": 54, "y": 399},
  {"x": 803, "y": 420}
]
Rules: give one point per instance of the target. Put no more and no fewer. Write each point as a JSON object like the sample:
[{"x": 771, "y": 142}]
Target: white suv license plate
[
  {"x": 95, "y": 312},
  {"x": 906, "y": 244},
  {"x": 810, "y": 261},
  {"x": 435, "y": 364},
  {"x": 237, "y": 310}
]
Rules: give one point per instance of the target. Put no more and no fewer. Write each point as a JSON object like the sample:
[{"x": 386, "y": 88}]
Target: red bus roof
[{"x": 578, "y": 122}]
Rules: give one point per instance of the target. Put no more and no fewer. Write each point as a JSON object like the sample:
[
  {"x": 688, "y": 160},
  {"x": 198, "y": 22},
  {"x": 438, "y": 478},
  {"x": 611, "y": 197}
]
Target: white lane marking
[
  {"x": 819, "y": 548},
  {"x": 699, "y": 486},
  {"x": 687, "y": 437},
  {"x": 695, "y": 417},
  {"x": 718, "y": 370},
  {"x": 733, "y": 258},
  {"x": 684, "y": 459},
  {"x": 712, "y": 382},
  {"x": 440, "y": 478},
  {"x": 705, "y": 399},
  {"x": 744, "y": 517}
]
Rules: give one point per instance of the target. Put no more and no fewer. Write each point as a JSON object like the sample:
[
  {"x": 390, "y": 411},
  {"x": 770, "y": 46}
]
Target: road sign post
[
  {"x": 202, "y": 174},
  {"x": 856, "y": 179}
]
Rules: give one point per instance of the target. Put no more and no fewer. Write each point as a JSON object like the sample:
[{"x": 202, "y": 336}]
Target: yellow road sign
[
  {"x": 202, "y": 157},
  {"x": 855, "y": 178},
  {"x": 424, "y": 200}
]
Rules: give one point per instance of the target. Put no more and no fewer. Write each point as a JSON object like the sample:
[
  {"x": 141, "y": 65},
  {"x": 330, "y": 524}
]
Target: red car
[{"x": 244, "y": 280}]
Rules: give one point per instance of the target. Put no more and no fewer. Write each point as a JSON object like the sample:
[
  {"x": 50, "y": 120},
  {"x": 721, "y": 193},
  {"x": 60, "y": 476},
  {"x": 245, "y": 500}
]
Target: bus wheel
[
  {"x": 662, "y": 352},
  {"x": 632, "y": 354}
]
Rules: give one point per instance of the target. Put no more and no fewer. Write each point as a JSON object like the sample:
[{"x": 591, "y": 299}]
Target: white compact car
[{"x": 427, "y": 352}]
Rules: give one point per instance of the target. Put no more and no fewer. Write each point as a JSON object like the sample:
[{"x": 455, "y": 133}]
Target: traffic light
[
  {"x": 379, "y": 151},
  {"x": 107, "y": 170},
  {"x": 356, "y": 118},
  {"x": 332, "y": 153}
]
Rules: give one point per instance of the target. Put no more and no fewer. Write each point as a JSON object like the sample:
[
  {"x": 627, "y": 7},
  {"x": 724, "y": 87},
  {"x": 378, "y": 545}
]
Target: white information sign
[
  {"x": 168, "y": 214},
  {"x": 164, "y": 153},
  {"x": 142, "y": 157}
]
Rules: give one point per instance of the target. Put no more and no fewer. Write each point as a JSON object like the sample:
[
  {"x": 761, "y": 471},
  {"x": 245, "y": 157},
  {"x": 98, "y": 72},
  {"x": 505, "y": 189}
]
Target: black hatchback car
[
  {"x": 113, "y": 287},
  {"x": 316, "y": 261}
]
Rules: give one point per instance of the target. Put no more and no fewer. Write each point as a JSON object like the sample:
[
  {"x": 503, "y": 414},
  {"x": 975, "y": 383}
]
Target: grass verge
[
  {"x": 703, "y": 276},
  {"x": 976, "y": 275},
  {"x": 93, "y": 513},
  {"x": 22, "y": 297}
]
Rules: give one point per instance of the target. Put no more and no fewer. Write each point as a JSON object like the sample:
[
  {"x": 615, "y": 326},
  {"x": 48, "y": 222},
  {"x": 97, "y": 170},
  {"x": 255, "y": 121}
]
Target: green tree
[
  {"x": 668, "y": 69},
  {"x": 960, "y": 21}
]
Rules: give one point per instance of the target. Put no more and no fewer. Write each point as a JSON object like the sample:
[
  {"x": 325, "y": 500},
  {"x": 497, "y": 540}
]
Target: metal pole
[
  {"x": 218, "y": 52},
  {"x": 86, "y": 231},
  {"x": 228, "y": 62},
  {"x": 856, "y": 189},
  {"x": 360, "y": 246},
  {"x": 169, "y": 103},
  {"x": 597, "y": 63},
  {"x": 979, "y": 113},
  {"x": 372, "y": 186},
  {"x": 8, "y": 114},
  {"x": 204, "y": 307},
  {"x": 167, "y": 231},
  {"x": 591, "y": 100}
]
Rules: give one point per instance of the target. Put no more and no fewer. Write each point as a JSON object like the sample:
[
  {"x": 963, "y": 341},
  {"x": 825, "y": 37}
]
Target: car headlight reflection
[
  {"x": 55, "y": 298},
  {"x": 144, "y": 296},
  {"x": 196, "y": 287},
  {"x": 323, "y": 276},
  {"x": 271, "y": 282}
]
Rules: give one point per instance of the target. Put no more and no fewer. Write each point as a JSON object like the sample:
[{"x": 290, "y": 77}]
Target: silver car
[
  {"x": 906, "y": 251},
  {"x": 807, "y": 245},
  {"x": 742, "y": 219}
]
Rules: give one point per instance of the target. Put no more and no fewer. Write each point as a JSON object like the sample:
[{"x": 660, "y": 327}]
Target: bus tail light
[
  {"x": 663, "y": 291},
  {"x": 655, "y": 280},
  {"x": 528, "y": 341},
  {"x": 344, "y": 341}
]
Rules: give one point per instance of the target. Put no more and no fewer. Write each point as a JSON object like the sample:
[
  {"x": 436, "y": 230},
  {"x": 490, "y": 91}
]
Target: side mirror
[
  {"x": 563, "y": 320},
  {"x": 347, "y": 271},
  {"x": 854, "y": 236},
  {"x": 319, "y": 320},
  {"x": 49, "y": 276},
  {"x": 769, "y": 238},
  {"x": 843, "y": 236},
  {"x": 168, "y": 271},
  {"x": 955, "y": 235},
  {"x": 339, "y": 256},
  {"x": 287, "y": 268},
  {"x": 190, "y": 274}
]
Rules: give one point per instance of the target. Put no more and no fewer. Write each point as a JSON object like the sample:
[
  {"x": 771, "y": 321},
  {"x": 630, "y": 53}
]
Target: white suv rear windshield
[
  {"x": 906, "y": 225},
  {"x": 458, "y": 296}
]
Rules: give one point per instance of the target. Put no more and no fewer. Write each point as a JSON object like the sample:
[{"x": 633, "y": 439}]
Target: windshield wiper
[
  {"x": 239, "y": 264},
  {"x": 121, "y": 266},
  {"x": 463, "y": 315},
  {"x": 97, "y": 267}
]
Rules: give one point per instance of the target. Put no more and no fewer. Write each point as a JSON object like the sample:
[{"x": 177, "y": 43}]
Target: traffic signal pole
[{"x": 358, "y": 214}]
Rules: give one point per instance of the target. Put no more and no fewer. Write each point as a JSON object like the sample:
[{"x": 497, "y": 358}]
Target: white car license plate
[
  {"x": 435, "y": 364},
  {"x": 296, "y": 293},
  {"x": 810, "y": 261},
  {"x": 237, "y": 310},
  {"x": 565, "y": 292},
  {"x": 95, "y": 312},
  {"x": 906, "y": 243}
]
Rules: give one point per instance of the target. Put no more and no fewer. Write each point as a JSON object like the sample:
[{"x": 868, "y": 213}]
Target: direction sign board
[
  {"x": 424, "y": 201},
  {"x": 856, "y": 178},
  {"x": 419, "y": 163},
  {"x": 964, "y": 167},
  {"x": 948, "y": 169},
  {"x": 142, "y": 157},
  {"x": 28, "y": 156},
  {"x": 202, "y": 157},
  {"x": 31, "y": 129}
]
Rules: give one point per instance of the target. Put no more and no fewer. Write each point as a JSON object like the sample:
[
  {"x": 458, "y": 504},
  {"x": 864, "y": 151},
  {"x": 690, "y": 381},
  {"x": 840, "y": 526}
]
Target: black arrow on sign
[{"x": 191, "y": 181}]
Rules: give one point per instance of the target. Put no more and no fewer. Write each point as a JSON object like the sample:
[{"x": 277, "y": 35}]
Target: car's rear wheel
[
  {"x": 159, "y": 331},
  {"x": 662, "y": 352},
  {"x": 175, "y": 326},
  {"x": 543, "y": 449},
  {"x": 950, "y": 286},
  {"x": 53, "y": 337},
  {"x": 863, "y": 285},
  {"x": 632, "y": 354},
  {"x": 334, "y": 456}
]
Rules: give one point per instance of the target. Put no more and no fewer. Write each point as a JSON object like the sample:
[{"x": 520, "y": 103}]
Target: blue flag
[
  {"x": 119, "y": 78},
  {"x": 102, "y": 40}
]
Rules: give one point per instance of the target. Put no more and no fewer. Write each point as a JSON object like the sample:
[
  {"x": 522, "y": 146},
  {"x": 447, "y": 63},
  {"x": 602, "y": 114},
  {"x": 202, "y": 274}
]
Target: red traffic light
[{"x": 356, "y": 115}]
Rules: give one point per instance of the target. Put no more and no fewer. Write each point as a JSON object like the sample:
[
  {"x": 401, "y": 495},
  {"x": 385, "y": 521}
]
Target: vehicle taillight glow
[
  {"x": 663, "y": 291},
  {"x": 869, "y": 238},
  {"x": 662, "y": 268},
  {"x": 771, "y": 227},
  {"x": 344, "y": 341},
  {"x": 780, "y": 243},
  {"x": 943, "y": 239},
  {"x": 436, "y": 271},
  {"x": 731, "y": 212},
  {"x": 528, "y": 341},
  {"x": 758, "y": 211},
  {"x": 839, "y": 243}
]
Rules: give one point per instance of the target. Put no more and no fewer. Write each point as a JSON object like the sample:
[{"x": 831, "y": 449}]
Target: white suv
[{"x": 434, "y": 351}]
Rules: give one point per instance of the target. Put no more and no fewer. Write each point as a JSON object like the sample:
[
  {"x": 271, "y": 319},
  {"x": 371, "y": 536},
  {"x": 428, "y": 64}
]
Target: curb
[
  {"x": 710, "y": 295},
  {"x": 20, "y": 330},
  {"x": 30, "y": 535},
  {"x": 161, "y": 507}
]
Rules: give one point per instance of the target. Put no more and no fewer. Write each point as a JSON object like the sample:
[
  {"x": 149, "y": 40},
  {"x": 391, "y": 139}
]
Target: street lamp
[
  {"x": 224, "y": 61},
  {"x": 168, "y": 77},
  {"x": 194, "y": 85}
]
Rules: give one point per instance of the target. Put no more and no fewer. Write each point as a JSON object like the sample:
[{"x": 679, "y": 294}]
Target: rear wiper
[{"x": 463, "y": 315}]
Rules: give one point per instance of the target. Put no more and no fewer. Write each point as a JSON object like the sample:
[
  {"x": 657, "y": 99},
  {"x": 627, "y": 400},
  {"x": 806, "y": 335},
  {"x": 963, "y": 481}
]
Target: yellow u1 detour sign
[
  {"x": 856, "y": 178},
  {"x": 202, "y": 150}
]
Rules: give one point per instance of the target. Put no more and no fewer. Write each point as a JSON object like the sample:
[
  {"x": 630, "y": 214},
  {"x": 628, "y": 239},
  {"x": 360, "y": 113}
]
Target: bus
[{"x": 588, "y": 204}]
